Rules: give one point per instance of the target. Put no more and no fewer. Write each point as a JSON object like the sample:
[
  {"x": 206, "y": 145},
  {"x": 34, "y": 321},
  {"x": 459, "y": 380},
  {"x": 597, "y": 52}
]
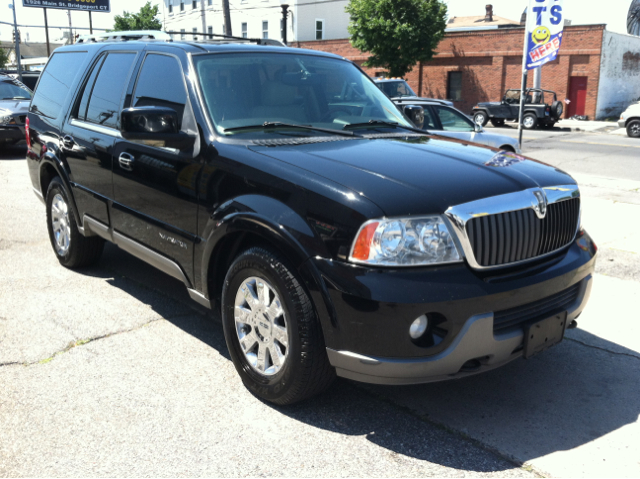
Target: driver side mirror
[
  {"x": 155, "y": 126},
  {"x": 415, "y": 114},
  {"x": 477, "y": 128}
]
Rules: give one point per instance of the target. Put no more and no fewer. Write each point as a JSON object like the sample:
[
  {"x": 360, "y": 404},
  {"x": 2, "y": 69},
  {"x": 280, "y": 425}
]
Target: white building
[{"x": 306, "y": 19}]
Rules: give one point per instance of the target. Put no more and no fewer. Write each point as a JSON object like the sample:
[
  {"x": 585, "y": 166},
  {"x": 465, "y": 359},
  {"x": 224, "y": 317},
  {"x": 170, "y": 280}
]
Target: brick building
[{"x": 597, "y": 70}]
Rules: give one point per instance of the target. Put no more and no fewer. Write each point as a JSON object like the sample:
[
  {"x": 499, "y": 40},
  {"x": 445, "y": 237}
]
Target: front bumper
[
  {"x": 373, "y": 309},
  {"x": 622, "y": 123},
  {"x": 476, "y": 344},
  {"x": 12, "y": 134}
]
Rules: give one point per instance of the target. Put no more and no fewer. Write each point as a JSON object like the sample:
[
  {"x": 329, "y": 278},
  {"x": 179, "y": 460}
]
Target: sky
[{"x": 611, "y": 12}]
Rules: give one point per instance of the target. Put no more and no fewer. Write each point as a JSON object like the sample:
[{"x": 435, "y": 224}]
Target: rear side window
[
  {"x": 55, "y": 82},
  {"x": 106, "y": 92},
  {"x": 169, "y": 92}
]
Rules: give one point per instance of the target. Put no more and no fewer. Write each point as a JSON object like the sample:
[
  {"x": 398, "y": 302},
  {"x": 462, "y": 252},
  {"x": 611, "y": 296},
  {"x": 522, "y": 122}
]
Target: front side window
[
  {"x": 55, "y": 82},
  {"x": 244, "y": 30},
  {"x": 14, "y": 90},
  {"x": 454, "y": 86},
  {"x": 106, "y": 96},
  {"x": 246, "y": 90},
  {"x": 169, "y": 93},
  {"x": 319, "y": 29},
  {"x": 452, "y": 120}
]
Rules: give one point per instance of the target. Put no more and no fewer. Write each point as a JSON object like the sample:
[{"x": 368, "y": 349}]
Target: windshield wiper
[
  {"x": 388, "y": 124},
  {"x": 276, "y": 124}
]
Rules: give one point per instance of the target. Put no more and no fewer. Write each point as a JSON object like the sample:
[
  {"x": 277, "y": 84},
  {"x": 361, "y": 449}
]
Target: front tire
[
  {"x": 71, "y": 248},
  {"x": 274, "y": 337},
  {"x": 481, "y": 118},
  {"x": 633, "y": 129}
]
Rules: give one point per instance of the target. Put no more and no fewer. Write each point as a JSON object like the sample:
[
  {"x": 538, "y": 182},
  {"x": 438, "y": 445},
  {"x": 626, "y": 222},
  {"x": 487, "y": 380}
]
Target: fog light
[{"x": 418, "y": 327}]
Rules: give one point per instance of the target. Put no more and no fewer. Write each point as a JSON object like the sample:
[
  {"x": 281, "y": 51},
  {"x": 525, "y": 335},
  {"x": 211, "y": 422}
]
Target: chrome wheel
[
  {"x": 480, "y": 119},
  {"x": 60, "y": 224},
  {"x": 261, "y": 326},
  {"x": 634, "y": 129}
]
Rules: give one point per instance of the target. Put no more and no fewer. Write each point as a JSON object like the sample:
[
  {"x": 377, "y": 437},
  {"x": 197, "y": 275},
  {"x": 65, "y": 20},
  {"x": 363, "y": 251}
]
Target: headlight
[
  {"x": 404, "y": 242},
  {"x": 6, "y": 120}
]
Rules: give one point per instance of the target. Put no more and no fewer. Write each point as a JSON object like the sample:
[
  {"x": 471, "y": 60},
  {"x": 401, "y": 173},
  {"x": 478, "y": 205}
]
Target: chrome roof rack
[{"x": 125, "y": 36}]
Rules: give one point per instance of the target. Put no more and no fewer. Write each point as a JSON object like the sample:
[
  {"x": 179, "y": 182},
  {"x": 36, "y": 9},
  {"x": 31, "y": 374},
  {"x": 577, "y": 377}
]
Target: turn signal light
[{"x": 362, "y": 245}]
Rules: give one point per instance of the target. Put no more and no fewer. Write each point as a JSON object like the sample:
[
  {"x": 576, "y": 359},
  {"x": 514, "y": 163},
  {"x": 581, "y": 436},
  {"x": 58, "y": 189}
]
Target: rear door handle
[{"x": 126, "y": 161}]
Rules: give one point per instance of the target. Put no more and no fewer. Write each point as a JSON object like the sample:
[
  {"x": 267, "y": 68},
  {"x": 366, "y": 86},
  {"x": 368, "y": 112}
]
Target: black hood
[{"x": 424, "y": 175}]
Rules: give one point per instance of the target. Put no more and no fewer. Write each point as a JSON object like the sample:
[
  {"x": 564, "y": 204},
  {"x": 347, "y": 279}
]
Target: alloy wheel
[
  {"x": 60, "y": 224},
  {"x": 261, "y": 326}
]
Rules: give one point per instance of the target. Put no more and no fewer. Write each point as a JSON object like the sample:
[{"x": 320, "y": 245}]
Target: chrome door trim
[
  {"x": 97, "y": 128},
  {"x": 460, "y": 215}
]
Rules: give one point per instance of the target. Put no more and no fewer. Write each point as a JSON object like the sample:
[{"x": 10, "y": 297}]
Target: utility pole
[
  {"x": 70, "y": 28},
  {"x": 46, "y": 31},
  {"x": 90, "y": 24},
  {"x": 16, "y": 35},
  {"x": 227, "y": 17},
  {"x": 537, "y": 78},
  {"x": 203, "y": 17},
  {"x": 284, "y": 22}
]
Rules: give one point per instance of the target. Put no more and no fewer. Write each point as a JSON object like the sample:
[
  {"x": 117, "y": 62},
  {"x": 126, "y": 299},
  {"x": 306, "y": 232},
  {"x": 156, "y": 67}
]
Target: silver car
[
  {"x": 14, "y": 104},
  {"x": 445, "y": 120}
]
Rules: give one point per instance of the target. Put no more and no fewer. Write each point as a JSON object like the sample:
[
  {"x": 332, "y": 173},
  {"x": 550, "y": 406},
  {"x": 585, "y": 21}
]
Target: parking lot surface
[{"x": 112, "y": 370}]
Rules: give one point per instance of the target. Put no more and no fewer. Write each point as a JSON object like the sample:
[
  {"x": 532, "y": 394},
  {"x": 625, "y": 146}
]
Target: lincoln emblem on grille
[{"x": 540, "y": 205}]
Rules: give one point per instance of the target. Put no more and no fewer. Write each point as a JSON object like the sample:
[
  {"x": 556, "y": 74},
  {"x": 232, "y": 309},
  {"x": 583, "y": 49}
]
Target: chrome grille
[{"x": 514, "y": 236}]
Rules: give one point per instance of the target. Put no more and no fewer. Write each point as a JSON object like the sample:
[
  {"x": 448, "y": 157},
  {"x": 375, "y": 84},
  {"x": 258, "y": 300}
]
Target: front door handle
[{"x": 126, "y": 161}]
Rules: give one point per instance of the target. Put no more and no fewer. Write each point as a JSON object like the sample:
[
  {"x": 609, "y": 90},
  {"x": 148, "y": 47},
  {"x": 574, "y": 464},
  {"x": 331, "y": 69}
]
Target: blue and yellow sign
[{"x": 545, "y": 23}]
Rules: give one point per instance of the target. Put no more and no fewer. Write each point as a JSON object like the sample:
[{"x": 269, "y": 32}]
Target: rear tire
[
  {"x": 481, "y": 118},
  {"x": 633, "y": 129},
  {"x": 529, "y": 121},
  {"x": 71, "y": 248},
  {"x": 273, "y": 334}
]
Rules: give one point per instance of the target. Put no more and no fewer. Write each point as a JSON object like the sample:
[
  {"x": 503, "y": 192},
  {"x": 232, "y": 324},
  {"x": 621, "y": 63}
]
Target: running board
[{"x": 164, "y": 264}]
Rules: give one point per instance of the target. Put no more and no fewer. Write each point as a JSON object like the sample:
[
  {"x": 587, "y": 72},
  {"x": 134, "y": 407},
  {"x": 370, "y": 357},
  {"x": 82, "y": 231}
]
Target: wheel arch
[
  {"x": 50, "y": 168},
  {"x": 629, "y": 120}
]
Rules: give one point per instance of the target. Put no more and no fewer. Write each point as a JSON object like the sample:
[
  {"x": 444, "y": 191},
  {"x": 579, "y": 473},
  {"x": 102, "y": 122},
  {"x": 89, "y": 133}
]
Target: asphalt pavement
[{"x": 114, "y": 371}]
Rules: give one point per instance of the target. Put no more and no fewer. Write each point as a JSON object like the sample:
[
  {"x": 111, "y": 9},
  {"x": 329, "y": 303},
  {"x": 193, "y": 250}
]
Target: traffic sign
[{"x": 84, "y": 5}]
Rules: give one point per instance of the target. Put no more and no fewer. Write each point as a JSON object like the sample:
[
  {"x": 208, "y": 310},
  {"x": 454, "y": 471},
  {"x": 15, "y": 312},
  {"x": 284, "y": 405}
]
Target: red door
[{"x": 577, "y": 95}]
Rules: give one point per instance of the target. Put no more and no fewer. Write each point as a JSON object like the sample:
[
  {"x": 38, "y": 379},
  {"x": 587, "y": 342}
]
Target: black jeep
[
  {"x": 288, "y": 193},
  {"x": 536, "y": 111}
]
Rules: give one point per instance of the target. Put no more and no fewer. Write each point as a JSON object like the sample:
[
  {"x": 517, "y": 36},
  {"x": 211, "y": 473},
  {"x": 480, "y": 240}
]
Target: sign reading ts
[
  {"x": 89, "y": 5},
  {"x": 545, "y": 21}
]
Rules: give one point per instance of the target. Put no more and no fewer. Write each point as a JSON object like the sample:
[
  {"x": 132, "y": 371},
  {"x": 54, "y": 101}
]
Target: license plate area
[{"x": 544, "y": 334}]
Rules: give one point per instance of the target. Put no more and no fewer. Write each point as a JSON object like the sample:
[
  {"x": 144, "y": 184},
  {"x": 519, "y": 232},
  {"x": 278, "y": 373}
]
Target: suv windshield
[
  {"x": 11, "y": 90},
  {"x": 244, "y": 89},
  {"x": 395, "y": 89}
]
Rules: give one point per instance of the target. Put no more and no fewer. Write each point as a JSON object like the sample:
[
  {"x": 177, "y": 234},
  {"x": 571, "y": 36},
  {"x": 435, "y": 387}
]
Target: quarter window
[
  {"x": 106, "y": 95},
  {"x": 454, "y": 86},
  {"x": 81, "y": 111},
  {"x": 55, "y": 83}
]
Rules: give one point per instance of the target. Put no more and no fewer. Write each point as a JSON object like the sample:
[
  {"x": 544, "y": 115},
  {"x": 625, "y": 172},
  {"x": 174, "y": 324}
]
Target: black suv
[
  {"x": 286, "y": 191},
  {"x": 536, "y": 111}
]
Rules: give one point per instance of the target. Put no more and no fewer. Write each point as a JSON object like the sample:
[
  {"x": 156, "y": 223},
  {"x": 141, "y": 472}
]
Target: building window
[
  {"x": 244, "y": 30},
  {"x": 170, "y": 6},
  {"x": 182, "y": 35},
  {"x": 182, "y": 6},
  {"x": 194, "y": 4},
  {"x": 454, "y": 86},
  {"x": 210, "y": 30},
  {"x": 265, "y": 29},
  {"x": 209, "y": 2},
  {"x": 195, "y": 30},
  {"x": 319, "y": 29}
]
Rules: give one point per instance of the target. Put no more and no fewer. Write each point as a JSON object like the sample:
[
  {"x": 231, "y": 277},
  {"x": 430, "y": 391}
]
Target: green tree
[
  {"x": 4, "y": 57},
  {"x": 145, "y": 19},
  {"x": 397, "y": 33}
]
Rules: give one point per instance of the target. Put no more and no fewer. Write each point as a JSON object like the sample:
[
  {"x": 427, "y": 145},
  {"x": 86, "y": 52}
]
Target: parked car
[
  {"x": 287, "y": 192},
  {"x": 396, "y": 88},
  {"x": 14, "y": 104},
  {"x": 536, "y": 111},
  {"x": 29, "y": 78},
  {"x": 444, "y": 120},
  {"x": 630, "y": 119}
]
